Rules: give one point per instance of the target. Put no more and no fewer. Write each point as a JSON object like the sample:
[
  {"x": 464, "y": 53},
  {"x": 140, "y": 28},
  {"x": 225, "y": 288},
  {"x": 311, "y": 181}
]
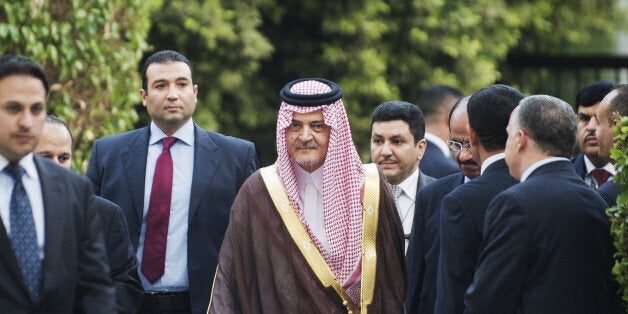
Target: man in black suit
[
  {"x": 424, "y": 244},
  {"x": 594, "y": 169},
  {"x": 608, "y": 113},
  {"x": 52, "y": 254},
  {"x": 397, "y": 146},
  {"x": 463, "y": 210},
  {"x": 55, "y": 143},
  {"x": 195, "y": 174},
  {"x": 547, "y": 246},
  {"x": 435, "y": 103}
]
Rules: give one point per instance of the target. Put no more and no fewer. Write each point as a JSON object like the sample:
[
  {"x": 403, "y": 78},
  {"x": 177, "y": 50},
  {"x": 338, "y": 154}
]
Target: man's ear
[
  {"x": 420, "y": 146},
  {"x": 474, "y": 139},
  {"x": 143, "y": 96}
]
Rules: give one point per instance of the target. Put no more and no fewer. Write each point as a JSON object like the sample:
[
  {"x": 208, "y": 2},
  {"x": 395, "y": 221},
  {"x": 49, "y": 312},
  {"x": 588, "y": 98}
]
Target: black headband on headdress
[{"x": 312, "y": 100}]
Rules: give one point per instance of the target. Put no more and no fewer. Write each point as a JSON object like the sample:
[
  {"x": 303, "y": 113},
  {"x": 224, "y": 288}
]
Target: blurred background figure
[
  {"x": 589, "y": 165},
  {"x": 435, "y": 103}
]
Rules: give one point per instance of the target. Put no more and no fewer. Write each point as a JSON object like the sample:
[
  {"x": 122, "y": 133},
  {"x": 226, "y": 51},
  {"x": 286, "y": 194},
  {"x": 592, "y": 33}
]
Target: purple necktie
[
  {"x": 600, "y": 175},
  {"x": 154, "y": 258}
]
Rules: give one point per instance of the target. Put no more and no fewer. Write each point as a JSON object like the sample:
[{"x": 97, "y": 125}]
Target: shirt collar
[
  {"x": 302, "y": 177},
  {"x": 409, "y": 185},
  {"x": 608, "y": 167},
  {"x": 27, "y": 162},
  {"x": 185, "y": 134},
  {"x": 442, "y": 145},
  {"x": 538, "y": 164},
  {"x": 490, "y": 160}
]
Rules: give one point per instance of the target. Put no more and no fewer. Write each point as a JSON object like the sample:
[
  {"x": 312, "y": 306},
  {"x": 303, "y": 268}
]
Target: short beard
[{"x": 307, "y": 162}]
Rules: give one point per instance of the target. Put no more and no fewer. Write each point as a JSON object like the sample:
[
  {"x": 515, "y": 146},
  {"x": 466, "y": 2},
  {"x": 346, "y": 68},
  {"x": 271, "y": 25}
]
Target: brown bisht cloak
[{"x": 261, "y": 269}]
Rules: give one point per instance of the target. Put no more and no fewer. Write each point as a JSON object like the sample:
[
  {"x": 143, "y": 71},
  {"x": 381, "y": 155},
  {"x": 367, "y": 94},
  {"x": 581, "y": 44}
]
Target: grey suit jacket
[
  {"x": 117, "y": 168},
  {"x": 75, "y": 274}
]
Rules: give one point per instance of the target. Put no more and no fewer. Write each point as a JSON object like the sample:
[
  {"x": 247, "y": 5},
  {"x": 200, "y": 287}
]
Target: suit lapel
[
  {"x": 134, "y": 164},
  {"x": 54, "y": 213},
  {"x": 205, "y": 164}
]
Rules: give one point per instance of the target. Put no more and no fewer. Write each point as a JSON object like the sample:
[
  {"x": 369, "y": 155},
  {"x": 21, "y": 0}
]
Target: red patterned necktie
[
  {"x": 154, "y": 257},
  {"x": 600, "y": 175}
]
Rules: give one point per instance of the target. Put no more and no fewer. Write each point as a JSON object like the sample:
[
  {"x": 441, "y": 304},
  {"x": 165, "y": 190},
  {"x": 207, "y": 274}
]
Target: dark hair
[
  {"x": 593, "y": 93},
  {"x": 619, "y": 103},
  {"x": 401, "y": 110},
  {"x": 11, "y": 64},
  {"x": 163, "y": 57},
  {"x": 51, "y": 119},
  {"x": 435, "y": 99},
  {"x": 489, "y": 110},
  {"x": 550, "y": 122}
]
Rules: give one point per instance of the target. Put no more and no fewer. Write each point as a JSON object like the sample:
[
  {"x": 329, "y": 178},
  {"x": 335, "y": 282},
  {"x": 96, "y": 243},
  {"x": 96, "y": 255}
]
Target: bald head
[
  {"x": 55, "y": 142},
  {"x": 458, "y": 120}
]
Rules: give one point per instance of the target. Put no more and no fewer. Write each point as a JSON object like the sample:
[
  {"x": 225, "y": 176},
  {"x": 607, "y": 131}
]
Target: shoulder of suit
[
  {"x": 220, "y": 138},
  {"x": 124, "y": 137},
  {"x": 45, "y": 168}
]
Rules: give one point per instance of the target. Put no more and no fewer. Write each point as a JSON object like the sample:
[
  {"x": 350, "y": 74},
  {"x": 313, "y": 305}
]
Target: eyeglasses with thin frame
[{"x": 457, "y": 146}]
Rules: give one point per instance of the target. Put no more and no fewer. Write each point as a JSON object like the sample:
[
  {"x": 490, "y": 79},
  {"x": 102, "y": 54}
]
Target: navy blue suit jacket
[
  {"x": 121, "y": 256},
  {"x": 424, "y": 244},
  {"x": 117, "y": 168},
  {"x": 435, "y": 164},
  {"x": 579, "y": 165},
  {"x": 547, "y": 249},
  {"x": 461, "y": 221},
  {"x": 610, "y": 191},
  {"x": 75, "y": 274}
]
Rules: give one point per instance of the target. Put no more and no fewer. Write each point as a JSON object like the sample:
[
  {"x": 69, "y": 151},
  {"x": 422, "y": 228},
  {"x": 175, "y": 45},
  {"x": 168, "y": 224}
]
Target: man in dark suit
[
  {"x": 55, "y": 143},
  {"x": 176, "y": 183},
  {"x": 435, "y": 103},
  {"x": 595, "y": 170},
  {"x": 547, "y": 246},
  {"x": 463, "y": 210},
  {"x": 52, "y": 254},
  {"x": 424, "y": 244},
  {"x": 608, "y": 113},
  {"x": 397, "y": 146}
]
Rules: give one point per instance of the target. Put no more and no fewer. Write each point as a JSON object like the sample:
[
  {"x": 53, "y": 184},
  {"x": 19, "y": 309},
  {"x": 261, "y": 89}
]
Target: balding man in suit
[{"x": 547, "y": 246}]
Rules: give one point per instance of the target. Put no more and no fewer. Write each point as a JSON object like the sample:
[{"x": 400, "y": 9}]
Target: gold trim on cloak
[{"x": 314, "y": 258}]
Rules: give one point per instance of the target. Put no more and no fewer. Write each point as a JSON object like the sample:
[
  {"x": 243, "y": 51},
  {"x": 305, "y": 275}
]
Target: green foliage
[
  {"x": 244, "y": 51},
  {"x": 91, "y": 51},
  {"x": 225, "y": 47},
  {"x": 619, "y": 213}
]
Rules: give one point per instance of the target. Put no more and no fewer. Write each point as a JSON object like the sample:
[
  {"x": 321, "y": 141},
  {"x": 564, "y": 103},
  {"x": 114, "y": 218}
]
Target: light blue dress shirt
[{"x": 175, "y": 276}]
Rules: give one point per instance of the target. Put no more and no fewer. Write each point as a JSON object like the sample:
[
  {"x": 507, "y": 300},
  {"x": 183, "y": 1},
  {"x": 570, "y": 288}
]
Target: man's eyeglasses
[{"x": 457, "y": 146}]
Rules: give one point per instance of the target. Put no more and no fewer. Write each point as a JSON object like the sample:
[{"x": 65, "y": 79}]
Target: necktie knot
[
  {"x": 396, "y": 191},
  {"x": 15, "y": 171},
  {"x": 168, "y": 141},
  {"x": 600, "y": 175}
]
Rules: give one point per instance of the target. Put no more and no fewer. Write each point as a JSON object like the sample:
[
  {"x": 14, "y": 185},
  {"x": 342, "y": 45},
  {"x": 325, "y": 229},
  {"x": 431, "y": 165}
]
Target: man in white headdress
[{"x": 317, "y": 232}]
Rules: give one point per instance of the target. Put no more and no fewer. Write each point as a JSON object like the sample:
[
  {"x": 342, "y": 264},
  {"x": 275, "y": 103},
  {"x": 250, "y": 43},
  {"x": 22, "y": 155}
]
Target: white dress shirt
[
  {"x": 311, "y": 195},
  {"x": 407, "y": 203}
]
